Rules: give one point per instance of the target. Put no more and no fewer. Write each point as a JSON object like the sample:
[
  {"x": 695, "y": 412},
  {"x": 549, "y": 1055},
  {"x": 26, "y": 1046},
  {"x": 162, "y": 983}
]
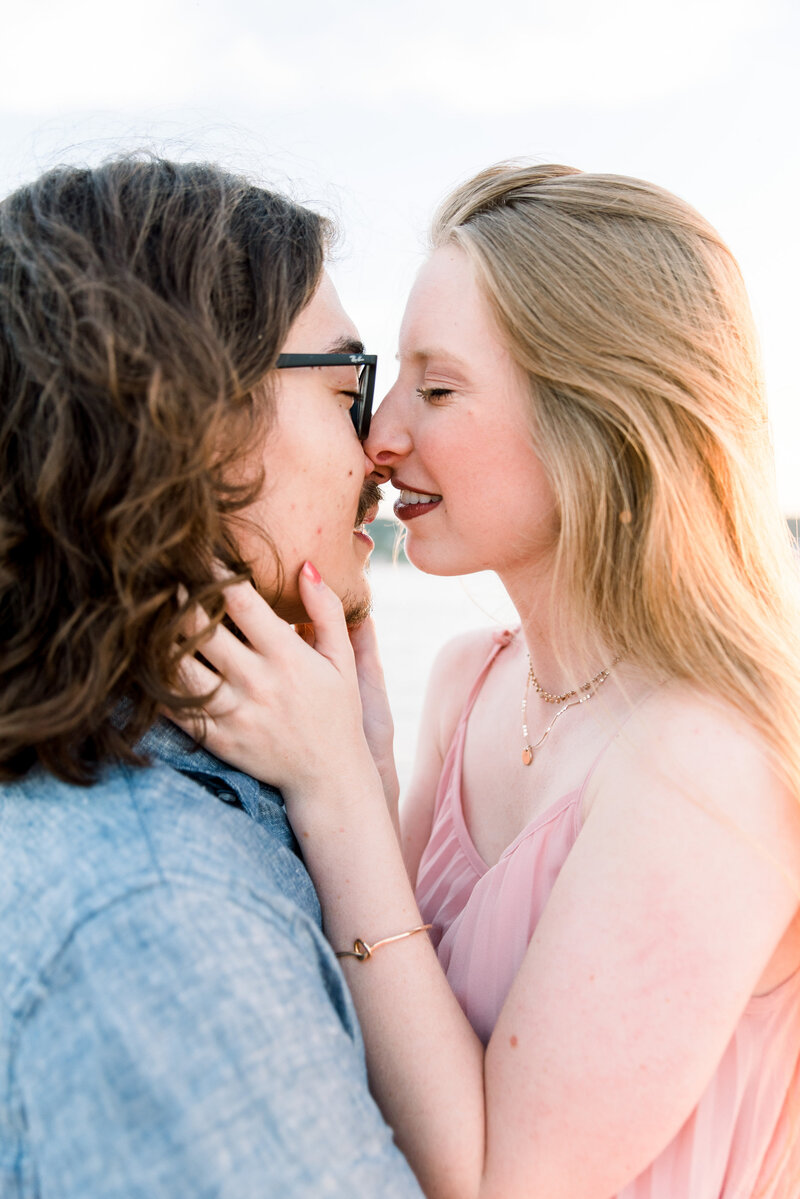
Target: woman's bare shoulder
[
  {"x": 467, "y": 652},
  {"x": 681, "y": 739},
  {"x": 454, "y": 671},
  {"x": 680, "y": 721}
]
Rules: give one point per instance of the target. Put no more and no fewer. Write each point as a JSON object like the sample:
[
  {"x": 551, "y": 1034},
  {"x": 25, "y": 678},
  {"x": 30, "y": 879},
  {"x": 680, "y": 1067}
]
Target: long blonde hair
[{"x": 630, "y": 317}]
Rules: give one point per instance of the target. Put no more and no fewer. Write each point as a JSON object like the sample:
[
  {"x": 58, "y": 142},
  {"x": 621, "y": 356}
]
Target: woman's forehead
[{"x": 447, "y": 318}]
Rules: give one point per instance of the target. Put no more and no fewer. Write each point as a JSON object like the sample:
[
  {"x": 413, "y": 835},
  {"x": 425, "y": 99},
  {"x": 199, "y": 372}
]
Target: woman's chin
[{"x": 426, "y": 559}]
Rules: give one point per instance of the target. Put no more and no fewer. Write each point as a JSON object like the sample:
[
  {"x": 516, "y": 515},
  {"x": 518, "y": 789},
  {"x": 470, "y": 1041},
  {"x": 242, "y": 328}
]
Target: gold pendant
[{"x": 527, "y": 756}]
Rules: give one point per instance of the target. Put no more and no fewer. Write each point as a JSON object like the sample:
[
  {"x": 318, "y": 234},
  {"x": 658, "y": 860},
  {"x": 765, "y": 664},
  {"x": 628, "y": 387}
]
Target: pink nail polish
[{"x": 311, "y": 572}]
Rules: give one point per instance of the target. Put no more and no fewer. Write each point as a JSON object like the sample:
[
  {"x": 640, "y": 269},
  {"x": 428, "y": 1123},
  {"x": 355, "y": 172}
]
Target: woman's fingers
[
  {"x": 197, "y": 679},
  {"x": 271, "y": 643},
  {"x": 266, "y": 634},
  {"x": 230, "y": 657},
  {"x": 269, "y": 636},
  {"x": 252, "y": 615},
  {"x": 228, "y": 722},
  {"x": 253, "y": 719},
  {"x": 325, "y": 612}
]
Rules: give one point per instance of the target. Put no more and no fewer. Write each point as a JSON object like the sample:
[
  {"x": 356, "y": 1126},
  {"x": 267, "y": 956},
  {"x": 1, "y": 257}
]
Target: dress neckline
[
  {"x": 570, "y": 799},
  {"x": 553, "y": 810}
]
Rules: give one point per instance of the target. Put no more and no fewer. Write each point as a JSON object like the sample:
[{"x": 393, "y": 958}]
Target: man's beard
[{"x": 356, "y": 610}]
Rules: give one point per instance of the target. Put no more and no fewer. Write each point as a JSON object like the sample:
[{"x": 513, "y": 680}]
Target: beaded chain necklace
[{"x": 584, "y": 693}]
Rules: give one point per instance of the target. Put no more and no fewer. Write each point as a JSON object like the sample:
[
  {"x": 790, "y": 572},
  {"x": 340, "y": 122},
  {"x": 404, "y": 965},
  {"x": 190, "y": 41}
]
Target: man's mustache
[{"x": 371, "y": 495}]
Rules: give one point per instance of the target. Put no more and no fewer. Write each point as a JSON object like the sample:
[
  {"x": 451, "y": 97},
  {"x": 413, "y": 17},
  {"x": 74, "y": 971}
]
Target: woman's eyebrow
[{"x": 436, "y": 354}]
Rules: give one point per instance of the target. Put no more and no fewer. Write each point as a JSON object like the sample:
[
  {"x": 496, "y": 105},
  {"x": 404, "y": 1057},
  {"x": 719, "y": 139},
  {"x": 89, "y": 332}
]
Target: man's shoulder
[
  {"x": 192, "y": 1029},
  {"x": 70, "y": 852},
  {"x": 211, "y": 1044}
]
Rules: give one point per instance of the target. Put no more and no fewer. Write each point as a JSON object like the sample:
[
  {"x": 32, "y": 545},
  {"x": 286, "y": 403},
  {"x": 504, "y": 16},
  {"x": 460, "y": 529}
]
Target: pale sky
[{"x": 373, "y": 110}]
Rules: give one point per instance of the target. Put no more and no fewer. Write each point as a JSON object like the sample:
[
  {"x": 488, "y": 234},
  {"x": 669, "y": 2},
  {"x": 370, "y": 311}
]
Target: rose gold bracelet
[{"x": 362, "y": 951}]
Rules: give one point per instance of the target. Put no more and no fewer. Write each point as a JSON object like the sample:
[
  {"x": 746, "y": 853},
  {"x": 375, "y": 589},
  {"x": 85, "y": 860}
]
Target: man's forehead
[{"x": 323, "y": 327}]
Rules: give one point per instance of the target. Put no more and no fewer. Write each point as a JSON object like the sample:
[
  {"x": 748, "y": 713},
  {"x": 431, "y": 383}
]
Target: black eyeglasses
[{"x": 361, "y": 411}]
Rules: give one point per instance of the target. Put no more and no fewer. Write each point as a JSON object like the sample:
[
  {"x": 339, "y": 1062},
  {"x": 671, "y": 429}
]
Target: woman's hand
[
  {"x": 377, "y": 719},
  {"x": 285, "y": 710}
]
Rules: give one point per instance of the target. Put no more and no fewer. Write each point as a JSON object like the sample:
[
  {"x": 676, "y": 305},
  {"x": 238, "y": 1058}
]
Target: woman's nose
[{"x": 389, "y": 438}]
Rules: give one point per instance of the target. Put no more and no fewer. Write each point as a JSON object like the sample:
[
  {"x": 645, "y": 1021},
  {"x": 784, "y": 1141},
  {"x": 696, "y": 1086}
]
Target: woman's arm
[{"x": 657, "y": 931}]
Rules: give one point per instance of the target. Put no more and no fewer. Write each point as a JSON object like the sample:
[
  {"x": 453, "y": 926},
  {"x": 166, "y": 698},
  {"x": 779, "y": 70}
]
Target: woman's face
[{"x": 454, "y": 432}]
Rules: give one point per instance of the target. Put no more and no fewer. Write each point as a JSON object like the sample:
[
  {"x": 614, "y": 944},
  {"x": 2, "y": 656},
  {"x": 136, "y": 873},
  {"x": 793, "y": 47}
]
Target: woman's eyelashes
[{"x": 431, "y": 394}]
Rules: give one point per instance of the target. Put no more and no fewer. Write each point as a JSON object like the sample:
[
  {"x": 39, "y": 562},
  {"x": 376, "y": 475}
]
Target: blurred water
[{"x": 415, "y": 615}]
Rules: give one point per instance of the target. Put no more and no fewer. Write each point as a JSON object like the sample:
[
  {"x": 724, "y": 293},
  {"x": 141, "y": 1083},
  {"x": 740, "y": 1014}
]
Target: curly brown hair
[{"x": 141, "y": 303}]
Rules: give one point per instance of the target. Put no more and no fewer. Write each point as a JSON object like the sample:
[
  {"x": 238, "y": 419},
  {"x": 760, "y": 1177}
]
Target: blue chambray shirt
[{"x": 172, "y": 1021}]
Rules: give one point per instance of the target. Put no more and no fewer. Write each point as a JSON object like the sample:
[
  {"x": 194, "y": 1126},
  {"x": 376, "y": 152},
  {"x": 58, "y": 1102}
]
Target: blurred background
[{"x": 371, "y": 110}]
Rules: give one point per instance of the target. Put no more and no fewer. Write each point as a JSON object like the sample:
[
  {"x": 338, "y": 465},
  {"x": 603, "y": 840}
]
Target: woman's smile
[{"x": 411, "y": 504}]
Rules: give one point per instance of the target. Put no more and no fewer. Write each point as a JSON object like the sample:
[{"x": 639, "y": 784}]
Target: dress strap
[
  {"x": 500, "y": 639},
  {"x": 448, "y": 789}
]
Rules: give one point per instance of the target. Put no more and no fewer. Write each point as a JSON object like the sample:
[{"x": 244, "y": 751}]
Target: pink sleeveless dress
[{"x": 742, "y": 1141}]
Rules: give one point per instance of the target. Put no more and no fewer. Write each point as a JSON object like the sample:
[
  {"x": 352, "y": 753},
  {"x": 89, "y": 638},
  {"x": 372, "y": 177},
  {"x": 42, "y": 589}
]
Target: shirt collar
[{"x": 172, "y": 746}]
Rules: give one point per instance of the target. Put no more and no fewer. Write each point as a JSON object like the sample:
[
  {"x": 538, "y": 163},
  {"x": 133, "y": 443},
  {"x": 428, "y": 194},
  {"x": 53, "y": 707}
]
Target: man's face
[{"x": 315, "y": 492}]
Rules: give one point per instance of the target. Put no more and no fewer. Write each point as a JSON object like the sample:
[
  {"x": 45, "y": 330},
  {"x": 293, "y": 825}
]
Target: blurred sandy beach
[{"x": 415, "y": 615}]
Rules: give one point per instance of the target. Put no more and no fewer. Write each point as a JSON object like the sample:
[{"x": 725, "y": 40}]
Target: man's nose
[{"x": 380, "y": 474}]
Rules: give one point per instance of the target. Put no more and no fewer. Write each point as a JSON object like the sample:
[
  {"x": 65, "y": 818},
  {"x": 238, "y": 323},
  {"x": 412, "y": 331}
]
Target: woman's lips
[{"x": 414, "y": 503}]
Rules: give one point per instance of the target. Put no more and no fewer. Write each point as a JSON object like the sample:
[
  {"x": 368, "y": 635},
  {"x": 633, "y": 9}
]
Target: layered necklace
[{"x": 570, "y": 699}]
